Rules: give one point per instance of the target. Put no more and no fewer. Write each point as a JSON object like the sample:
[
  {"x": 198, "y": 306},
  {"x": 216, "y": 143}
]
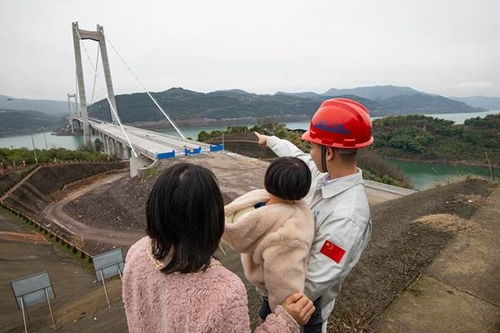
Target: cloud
[{"x": 471, "y": 88}]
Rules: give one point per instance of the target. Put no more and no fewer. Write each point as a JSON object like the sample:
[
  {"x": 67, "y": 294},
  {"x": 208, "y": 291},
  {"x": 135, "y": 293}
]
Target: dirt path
[
  {"x": 27, "y": 237},
  {"x": 55, "y": 213}
]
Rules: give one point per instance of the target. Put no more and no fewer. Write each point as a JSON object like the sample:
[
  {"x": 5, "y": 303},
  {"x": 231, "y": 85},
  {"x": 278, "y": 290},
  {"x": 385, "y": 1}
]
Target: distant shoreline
[
  {"x": 26, "y": 132},
  {"x": 218, "y": 122},
  {"x": 444, "y": 161}
]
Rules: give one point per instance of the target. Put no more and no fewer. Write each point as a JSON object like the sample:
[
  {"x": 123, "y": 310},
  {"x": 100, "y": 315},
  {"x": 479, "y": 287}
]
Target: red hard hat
[{"x": 340, "y": 123}]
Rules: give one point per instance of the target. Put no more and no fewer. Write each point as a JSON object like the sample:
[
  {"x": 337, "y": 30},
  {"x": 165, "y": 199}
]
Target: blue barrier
[
  {"x": 193, "y": 151},
  {"x": 219, "y": 147},
  {"x": 170, "y": 154}
]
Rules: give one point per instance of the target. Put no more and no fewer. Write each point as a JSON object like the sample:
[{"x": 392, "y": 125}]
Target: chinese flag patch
[{"x": 332, "y": 251}]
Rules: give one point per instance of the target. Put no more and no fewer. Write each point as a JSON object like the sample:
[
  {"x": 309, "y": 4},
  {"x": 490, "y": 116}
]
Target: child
[{"x": 273, "y": 230}]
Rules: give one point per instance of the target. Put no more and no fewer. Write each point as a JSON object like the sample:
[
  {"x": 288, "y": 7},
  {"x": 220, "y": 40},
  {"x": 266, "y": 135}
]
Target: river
[{"x": 420, "y": 175}]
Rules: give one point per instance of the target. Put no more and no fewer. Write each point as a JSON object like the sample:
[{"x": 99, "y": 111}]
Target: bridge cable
[
  {"x": 95, "y": 76},
  {"x": 144, "y": 88},
  {"x": 109, "y": 102},
  {"x": 121, "y": 126}
]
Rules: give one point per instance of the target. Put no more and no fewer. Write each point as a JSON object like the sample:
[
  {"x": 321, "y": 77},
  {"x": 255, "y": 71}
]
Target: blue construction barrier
[
  {"x": 219, "y": 147},
  {"x": 193, "y": 151},
  {"x": 170, "y": 154}
]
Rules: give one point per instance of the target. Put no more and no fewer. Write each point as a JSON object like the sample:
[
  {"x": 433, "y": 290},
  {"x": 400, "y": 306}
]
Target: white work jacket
[{"x": 342, "y": 226}]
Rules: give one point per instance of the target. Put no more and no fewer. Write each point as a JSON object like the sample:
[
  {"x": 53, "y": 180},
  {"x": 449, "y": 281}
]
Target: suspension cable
[
  {"x": 121, "y": 126},
  {"x": 95, "y": 75},
  {"x": 144, "y": 88}
]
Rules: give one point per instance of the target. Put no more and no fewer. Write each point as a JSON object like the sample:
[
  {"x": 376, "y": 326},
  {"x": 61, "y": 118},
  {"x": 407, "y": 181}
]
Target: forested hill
[
  {"x": 425, "y": 138},
  {"x": 186, "y": 104}
]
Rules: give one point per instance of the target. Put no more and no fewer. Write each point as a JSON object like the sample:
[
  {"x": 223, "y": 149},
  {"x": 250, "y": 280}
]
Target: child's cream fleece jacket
[{"x": 274, "y": 242}]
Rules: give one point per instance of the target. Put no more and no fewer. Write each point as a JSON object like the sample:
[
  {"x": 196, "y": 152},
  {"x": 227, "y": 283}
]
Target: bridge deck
[{"x": 148, "y": 143}]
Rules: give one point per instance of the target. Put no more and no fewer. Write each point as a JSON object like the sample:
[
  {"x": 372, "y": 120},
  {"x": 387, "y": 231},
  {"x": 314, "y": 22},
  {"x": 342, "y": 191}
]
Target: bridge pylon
[{"x": 98, "y": 36}]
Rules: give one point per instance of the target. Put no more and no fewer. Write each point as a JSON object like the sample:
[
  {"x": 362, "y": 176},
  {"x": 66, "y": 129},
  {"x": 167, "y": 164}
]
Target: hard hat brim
[{"x": 307, "y": 137}]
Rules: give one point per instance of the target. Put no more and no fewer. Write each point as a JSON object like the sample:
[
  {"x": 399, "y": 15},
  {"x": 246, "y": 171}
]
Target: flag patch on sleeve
[{"x": 332, "y": 251}]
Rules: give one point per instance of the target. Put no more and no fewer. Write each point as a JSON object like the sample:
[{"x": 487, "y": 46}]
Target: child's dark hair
[
  {"x": 288, "y": 178},
  {"x": 185, "y": 215}
]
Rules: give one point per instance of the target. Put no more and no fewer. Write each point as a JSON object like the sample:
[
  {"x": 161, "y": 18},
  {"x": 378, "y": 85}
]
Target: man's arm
[
  {"x": 336, "y": 242},
  {"x": 284, "y": 148}
]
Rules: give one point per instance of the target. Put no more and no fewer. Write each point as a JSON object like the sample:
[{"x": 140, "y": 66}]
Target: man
[{"x": 337, "y": 197}]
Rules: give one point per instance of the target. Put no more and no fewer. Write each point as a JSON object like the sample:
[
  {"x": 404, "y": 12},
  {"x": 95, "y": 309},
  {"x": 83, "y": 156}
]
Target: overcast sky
[{"x": 445, "y": 47}]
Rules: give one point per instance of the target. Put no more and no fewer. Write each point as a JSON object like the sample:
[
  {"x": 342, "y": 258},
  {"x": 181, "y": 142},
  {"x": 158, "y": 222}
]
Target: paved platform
[{"x": 379, "y": 192}]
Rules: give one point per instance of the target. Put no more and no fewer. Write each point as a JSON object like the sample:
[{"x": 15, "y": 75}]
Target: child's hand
[
  {"x": 262, "y": 139},
  {"x": 300, "y": 307}
]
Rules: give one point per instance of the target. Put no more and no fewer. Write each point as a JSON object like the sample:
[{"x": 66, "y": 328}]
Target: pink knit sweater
[{"x": 210, "y": 301}]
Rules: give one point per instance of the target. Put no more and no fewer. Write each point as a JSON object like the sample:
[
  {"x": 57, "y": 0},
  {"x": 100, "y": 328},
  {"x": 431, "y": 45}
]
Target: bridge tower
[
  {"x": 72, "y": 114},
  {"x": 98, "y": 36}
]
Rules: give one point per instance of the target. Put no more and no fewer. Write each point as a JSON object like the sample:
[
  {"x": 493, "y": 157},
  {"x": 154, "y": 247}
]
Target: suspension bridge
[{"x": 138, "y": 145}]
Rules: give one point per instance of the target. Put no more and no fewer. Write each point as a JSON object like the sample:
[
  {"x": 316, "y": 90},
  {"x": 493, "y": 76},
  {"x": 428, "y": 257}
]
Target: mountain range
[
  {"x": 185, "y": 105},
  {"x": 490, "y": 103},
  {"x": 52, "y": 108}
]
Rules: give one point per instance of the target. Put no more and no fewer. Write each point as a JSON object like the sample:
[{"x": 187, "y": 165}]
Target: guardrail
[{"x": 188, "y": 152}]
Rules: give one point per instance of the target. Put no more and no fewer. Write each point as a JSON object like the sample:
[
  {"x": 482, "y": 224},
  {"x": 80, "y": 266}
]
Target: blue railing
[
  {"x": 194, "y": 151},
  {"x": 214, "y": 148}
]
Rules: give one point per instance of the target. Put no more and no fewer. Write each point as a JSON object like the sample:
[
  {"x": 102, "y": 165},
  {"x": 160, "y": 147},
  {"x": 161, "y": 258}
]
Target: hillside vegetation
[
  {"x": 426, "y": 138},
  {"x": 15, "y": 157}
]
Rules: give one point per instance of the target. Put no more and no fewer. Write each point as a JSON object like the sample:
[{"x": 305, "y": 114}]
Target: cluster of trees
[
  {"x": 427, "y": 138},
  {"x": 20, "y": 156}
]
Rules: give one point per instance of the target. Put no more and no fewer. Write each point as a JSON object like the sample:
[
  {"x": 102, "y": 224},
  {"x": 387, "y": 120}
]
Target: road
[{"x": 56, "y": 214}]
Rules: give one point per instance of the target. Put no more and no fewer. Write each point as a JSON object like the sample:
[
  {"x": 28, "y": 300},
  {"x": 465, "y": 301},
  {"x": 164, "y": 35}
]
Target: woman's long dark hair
[{"x": 185, "y": 214}]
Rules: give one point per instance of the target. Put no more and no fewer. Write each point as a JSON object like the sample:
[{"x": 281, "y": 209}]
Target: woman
[{"x": 171, "y": 281}]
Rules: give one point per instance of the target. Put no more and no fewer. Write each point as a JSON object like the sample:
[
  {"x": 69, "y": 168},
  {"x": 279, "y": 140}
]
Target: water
[
  {"x": 458, "y": 118},
  {"x": 72, "y": 142},
  {"x": 42, "y": 141},
  {"x": 423, "y": 175}
]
